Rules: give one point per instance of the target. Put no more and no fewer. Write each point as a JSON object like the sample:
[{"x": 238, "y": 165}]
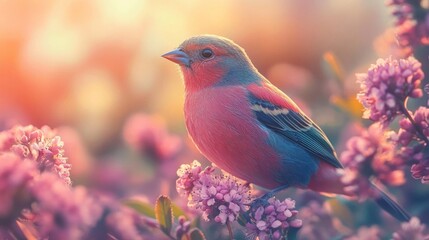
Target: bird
[{"x": 251, "y": 129}]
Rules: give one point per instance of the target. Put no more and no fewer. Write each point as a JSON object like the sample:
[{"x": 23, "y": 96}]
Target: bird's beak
[{"x": 178, "y": 56}]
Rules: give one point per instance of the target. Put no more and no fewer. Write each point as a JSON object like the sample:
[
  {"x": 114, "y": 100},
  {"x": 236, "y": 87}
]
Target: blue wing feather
[{"x": 297, "y": 127}]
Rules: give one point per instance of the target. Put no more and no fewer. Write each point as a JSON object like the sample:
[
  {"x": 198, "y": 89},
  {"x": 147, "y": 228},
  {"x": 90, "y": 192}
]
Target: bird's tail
[
  {"x": 328, "y": 180},
  {"x": 389, "y": 205}
]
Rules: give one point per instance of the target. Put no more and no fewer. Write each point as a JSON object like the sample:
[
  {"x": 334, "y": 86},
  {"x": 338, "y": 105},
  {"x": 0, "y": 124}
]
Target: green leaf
[
  {"x": 164, "y": 214},
  {"x": 141, "y": 207},
  {"x": 178, "y": 211},
  {"x": 196, "y": 234}
]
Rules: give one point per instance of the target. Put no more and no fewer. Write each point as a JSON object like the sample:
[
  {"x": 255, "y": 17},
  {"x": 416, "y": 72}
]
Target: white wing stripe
[{"x": 274, "y": 112}]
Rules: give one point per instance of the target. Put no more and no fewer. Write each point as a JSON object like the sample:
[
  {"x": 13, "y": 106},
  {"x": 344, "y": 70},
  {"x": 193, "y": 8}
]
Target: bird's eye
[{"x": 207, "y": 53}]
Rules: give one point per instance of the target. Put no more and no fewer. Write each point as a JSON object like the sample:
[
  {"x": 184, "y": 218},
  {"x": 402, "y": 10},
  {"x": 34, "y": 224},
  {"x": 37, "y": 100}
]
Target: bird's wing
[{"x": 279, "y": 113}]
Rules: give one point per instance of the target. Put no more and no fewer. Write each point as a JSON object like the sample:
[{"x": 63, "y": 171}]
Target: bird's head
[{"x": 210, "y": 60}]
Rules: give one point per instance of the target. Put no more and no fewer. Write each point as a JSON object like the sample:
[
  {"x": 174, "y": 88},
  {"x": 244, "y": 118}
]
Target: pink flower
[
  {"x": 387, "y": 44},
  {"x": 411, "y": 230},
  {"x": 15, "y": 175},
  {"x": 401, "y": 10},
  {"x": 408, "y": 132},
  {"x": 387, "y": 85},
  {"x": 220, "y": 197},
  {"x": 419, "y": 156},
  {"x": 366, "y": 233},
  {"x": 411, "y": 23},
  {"x": 319, "y": 223},
  {"x": 32, "y": 192},
  {"x": 189, "y": 175},
  {"x": 124, "y": 223},
  {"x": 148, "y": 134},
  {"x": 60, "y": 212},
  {"x": 415, "y": 149},
  {"x": 371, "y": 154},
  {"x": 406, "y": 34},
  {"x": 273, "y": 220},
  {"x": 40, "y": 145},
  {"x": 420, "y": 170}
]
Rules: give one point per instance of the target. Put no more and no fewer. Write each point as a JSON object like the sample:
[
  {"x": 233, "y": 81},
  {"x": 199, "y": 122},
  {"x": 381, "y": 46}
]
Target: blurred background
[{"x": 91, "y": 64}]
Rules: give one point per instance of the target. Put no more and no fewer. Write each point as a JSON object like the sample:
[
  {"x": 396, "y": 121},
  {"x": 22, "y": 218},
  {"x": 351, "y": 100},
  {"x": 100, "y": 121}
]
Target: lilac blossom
[
  {"x": 411, "y": 29},
  {"x": 42, "y": 146},
  {"x": 220, "y": 197},
  {"x": 60, "y": 211},
  {"x": 371, "y": 154},
  {"x": 273, "y": 220},
  {"x": 401, "y": 9},
  {"x": 366, "y": 233},
  {"x": 420, "y": 170},
  {"x": 189, "y": 174},
  {"x": 319, "y": 223},
  {"x": 410, "y": 130},
  {"x": 386, "y": 87},
  {"x": 15, "y": 176},
  {"x": 124, "y": 223},
  {"x": 411, "y": 230},
  {"x": 74, "y": 213},
  {"x": 413, "y": 136},
  {"x": 387, "y": 45},
  {"x": 148, "y": 134}
]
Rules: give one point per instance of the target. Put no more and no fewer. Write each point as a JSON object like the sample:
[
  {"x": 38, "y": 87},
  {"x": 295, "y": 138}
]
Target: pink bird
[{"x": 251, "y": 129}]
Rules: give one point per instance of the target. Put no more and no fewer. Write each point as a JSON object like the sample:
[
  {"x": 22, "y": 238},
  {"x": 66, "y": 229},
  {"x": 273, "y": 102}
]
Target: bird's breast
[{"x": 222, "y": 125}]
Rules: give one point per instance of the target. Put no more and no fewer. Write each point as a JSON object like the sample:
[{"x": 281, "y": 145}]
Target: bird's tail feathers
[{"x": 389, "y": 205}]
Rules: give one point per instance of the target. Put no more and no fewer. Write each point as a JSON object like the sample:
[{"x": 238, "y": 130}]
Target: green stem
[
  {"x": 419, "y": 131},
  {"x": 231, "y": 235}
]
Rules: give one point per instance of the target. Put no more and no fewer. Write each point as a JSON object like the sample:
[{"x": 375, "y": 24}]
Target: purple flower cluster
[
  {"x": 273, "y": 220},
  {"x": 371, "y": 154},
  {"x": 15, "y": 176},
  {"x": 35, "y": 192},
  {"x": 387, "y": 85},
  {"x": 62, "y": 212},
  {"x": 414, "y": 145},
  {"x": 122, "y": 222},
  {"x": 411, "y": 29},
  {"x": 411, "y": 230},
  {"x": 189, "y": 175},
  {"x": 408, "y": 131},
  {"x": 319, "y": 223},
  {"x": 220, "y": 197},
  {"x": 366, "y": 233},
  {"x": 149, "y": 135},
  {"x": 420, "y": 170},
  {"x": 387, "y": 44},
  {"x": 42, "y": 146}
]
